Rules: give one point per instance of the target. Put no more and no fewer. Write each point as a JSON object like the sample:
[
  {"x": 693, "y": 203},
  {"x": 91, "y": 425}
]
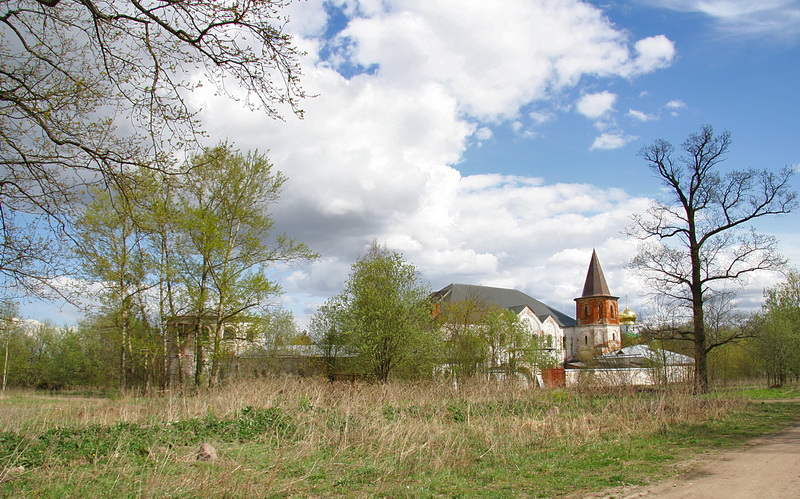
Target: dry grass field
[{"x": 289, "y": 437}]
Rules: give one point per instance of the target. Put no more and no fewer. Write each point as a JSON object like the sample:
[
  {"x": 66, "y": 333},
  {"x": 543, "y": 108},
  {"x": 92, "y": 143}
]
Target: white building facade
[{"x": 595, "y": 331}]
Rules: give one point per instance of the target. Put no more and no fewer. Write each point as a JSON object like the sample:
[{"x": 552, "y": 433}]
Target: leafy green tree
[
  {"x": 101, "y": 370},
  {"x": 538, "y": 352},
  {"x": 512, "y": 346},
  {"x": 70, "y": 367},
  {"x": 281, "y": 328},
  {"x": 466, "y": 352},
  {"x": 15, "y": 356},
  {"x": 503, "y": 334},
  {"x": 158, "y": 219},
  {"x": 700, "y": 238},
  {"x": 479, "y": 336},
  {"x": 227, "y": 244},
  {"x": 45, "y": 356},
  {"x": 111, "y": 250},
  {"x": 386, "y": 313},
  {"x": 91, "y": 91},
  {"x": 778, "y": 343},
  {"x": 329, "y": 331}
]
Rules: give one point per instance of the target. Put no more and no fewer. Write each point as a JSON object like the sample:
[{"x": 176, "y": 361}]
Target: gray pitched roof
[{"x": 502, "y": 297}]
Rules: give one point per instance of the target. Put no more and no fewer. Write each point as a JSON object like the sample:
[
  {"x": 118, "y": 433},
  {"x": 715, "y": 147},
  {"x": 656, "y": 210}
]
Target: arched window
[{"x": 585, "y": 340}]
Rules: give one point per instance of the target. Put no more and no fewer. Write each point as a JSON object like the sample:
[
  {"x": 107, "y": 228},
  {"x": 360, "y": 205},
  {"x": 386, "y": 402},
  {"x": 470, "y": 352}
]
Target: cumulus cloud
[
  {"x": 495, "y": 60},
  {"x": 402, "y": 90},
  {"x": 641, "y": 115},
  {"x": 611, "y": 140},
  {"x": 540, "y": 117},
  {"x": 674, "y": 105},
  {"x": 653, "y": 53},
  {"x": 596, "y": 105}
]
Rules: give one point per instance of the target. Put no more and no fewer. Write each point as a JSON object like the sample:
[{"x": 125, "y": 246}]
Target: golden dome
[{"x": 627, "y": 316}]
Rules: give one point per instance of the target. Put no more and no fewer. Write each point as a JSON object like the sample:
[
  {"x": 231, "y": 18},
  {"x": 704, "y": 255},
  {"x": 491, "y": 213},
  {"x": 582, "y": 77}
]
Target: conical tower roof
[{"x": 595, "y": 280}]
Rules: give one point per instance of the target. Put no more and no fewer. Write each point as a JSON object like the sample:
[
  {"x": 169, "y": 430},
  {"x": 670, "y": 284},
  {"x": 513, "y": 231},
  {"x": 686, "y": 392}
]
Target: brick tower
[{"x": 597, "y": 314}]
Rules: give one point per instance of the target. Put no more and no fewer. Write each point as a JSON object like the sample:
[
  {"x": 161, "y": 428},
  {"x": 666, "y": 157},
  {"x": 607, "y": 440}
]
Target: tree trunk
[
  {"x": 700, "y": 353},
  {"x": 123, "y": 385},
  {"x": 215, "y": 354},
  {"x": 199, "y": 351}
]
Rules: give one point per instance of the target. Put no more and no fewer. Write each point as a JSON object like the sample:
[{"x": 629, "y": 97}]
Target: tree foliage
[
  {"x": 329, "y": 331},
  {"x": 778, "y": 342},
  {"x": 227, "y": 242},
  {"x": 91, "y": 91},
  {"x": 466, "y": 352},
  {"x": 196, "y": 247},
  {"x": 110, "y": 249},
  {"x": 480, "y": 338},
  {"x": 701, "y": 237},
  {"x": 47, "y": 357},
  {"x": 384, "y": 314}
]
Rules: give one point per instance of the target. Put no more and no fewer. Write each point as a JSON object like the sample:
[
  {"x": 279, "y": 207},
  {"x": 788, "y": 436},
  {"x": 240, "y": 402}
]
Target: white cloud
[
  {"x": 483, "y": 133},
  {"x": 613, "y": 140},
  {"x": 540, "y": 117},
  {"x": 676, "y": 104},
  {"x": 374, "y": 155},
  {"x": 596, "y": 105},
  {"x": 772, "y": 18},
  {"x": 641, "y": 115},
  {"x": 653, "y": 53},
  {"x": 727, "y": 9},
  {"x": 494, "y": 60}
]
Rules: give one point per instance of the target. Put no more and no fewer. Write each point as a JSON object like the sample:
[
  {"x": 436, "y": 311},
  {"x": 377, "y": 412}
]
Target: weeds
[
  {"x": 312, "y": 438},
  {"x": 94, "y": 443}
]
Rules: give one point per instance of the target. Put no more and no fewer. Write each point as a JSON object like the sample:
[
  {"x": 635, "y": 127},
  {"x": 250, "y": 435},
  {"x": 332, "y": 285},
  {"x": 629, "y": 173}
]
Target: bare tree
[
  {"x": 89, "y": 90},
  {"x": 701, "y": 237}
]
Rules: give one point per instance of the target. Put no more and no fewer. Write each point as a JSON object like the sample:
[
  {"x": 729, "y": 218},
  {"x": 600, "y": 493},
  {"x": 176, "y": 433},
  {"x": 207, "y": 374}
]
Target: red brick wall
[{"x": 596, "y": 310}]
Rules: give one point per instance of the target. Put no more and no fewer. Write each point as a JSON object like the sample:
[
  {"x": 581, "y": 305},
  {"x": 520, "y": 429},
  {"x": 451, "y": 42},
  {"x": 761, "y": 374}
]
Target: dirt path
[{"x": 767, "y": 467}]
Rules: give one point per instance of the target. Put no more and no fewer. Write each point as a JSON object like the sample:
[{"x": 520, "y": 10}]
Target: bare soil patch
[{"x": 766, "y": 467}]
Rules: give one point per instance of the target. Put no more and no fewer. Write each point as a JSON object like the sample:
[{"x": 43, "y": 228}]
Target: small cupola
[{"x": 627, "y": 317}]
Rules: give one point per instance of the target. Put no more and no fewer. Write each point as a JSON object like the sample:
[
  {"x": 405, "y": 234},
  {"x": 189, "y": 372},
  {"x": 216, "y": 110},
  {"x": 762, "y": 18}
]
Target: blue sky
[{"x": 496, "y": 143}]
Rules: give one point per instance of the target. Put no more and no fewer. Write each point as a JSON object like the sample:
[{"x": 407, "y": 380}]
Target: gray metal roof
[
  {"x": 644, "y": 352},
  {"x": 504, "y": 298}
]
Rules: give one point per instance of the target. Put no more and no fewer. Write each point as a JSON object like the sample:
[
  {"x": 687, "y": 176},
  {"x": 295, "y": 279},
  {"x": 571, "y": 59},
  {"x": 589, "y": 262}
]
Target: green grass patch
[
  {"x": 96, "y": 443},
  {"x": 373, "y": 441},
  {"x": 783, "y": 392}
]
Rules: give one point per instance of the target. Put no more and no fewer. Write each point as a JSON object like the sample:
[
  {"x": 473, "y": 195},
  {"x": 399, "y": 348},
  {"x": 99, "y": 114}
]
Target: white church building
[{"x": 594, "y": 331}]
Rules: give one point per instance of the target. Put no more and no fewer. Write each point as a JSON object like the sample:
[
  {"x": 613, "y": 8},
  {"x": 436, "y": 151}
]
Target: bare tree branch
[
  {"x": 702, "y": 236},
  {"x": 90, "y": 91}
]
